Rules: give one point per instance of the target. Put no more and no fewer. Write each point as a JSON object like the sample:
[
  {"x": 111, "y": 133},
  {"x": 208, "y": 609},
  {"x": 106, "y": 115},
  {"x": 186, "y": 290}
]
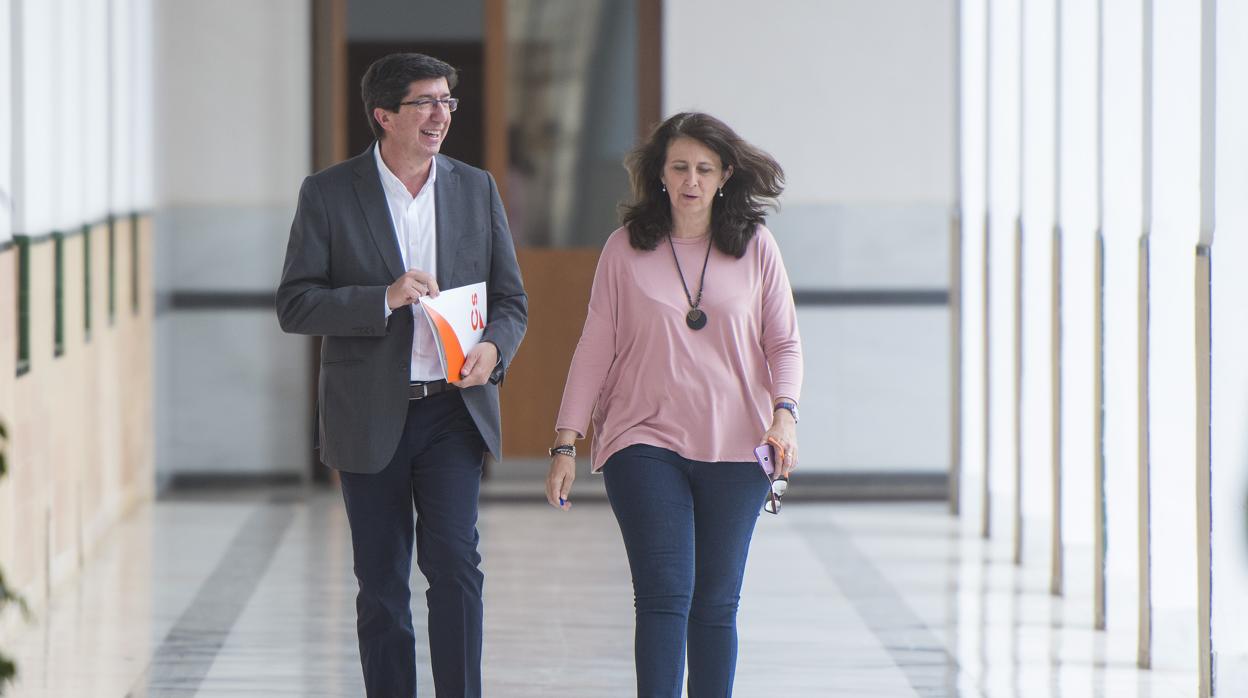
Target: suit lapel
[
  {"x": 445, "y": 195},
  {"x": 377, "y": 212}
]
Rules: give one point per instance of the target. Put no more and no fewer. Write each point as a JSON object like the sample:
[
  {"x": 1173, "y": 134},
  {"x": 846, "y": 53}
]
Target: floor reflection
[{"x": 216, "y": 596}]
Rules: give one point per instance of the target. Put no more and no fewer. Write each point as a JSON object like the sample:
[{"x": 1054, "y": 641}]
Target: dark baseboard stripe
[
  {"x": 263, "y": 300},
  {"x": 806, "y": 487},
  {"x": 871, "y": 297},
  {"x": 862, "y": 486},
  {"x": 219, "y": 300},
  {"x": 227, "y": 482}
]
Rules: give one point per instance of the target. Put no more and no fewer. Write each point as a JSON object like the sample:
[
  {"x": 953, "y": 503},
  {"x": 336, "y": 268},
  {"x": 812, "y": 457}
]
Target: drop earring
[{"x": 721, "y": 192}]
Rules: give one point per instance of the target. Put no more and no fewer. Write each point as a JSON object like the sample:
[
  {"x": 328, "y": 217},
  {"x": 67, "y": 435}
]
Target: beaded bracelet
[{"x": 568, "y": 450}]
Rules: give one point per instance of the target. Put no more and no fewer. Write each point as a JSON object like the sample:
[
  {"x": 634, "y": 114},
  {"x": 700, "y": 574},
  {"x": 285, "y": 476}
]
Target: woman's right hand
[{"x": 559, "y": 481}]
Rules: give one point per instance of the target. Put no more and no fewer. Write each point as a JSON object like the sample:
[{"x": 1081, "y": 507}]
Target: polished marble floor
[{"x": 215, "y": 595}]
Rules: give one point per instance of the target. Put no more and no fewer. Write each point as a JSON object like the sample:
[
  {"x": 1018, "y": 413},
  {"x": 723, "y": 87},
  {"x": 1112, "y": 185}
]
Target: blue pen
[{"x": 562, "y": 501}]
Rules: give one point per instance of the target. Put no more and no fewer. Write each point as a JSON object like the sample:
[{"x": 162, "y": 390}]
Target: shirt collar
[{"x": 391, "y": 182}]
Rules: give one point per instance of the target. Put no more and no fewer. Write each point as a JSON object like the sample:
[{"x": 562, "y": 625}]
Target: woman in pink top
[{"x": 688, "y": 361}]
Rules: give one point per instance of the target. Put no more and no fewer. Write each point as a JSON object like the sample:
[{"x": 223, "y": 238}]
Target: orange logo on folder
[{"x": 457, "y": 317}]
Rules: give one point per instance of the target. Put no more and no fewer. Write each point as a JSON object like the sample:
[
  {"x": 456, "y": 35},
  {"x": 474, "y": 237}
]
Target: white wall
[
  {"x": 855, "y": 99},
  {"x": 234, "y": 142},
  {"x": 233, "y": 113}
]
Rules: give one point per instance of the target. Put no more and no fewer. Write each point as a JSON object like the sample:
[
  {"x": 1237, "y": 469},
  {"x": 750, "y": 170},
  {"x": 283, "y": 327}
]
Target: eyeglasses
[
  {"x": 425, "y": 105},
  {"x": 778, "y": 487}
]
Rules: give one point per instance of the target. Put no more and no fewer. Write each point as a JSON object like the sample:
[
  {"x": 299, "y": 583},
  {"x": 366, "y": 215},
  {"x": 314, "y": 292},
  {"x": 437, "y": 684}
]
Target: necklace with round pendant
[{"x": 696, "y": 317}]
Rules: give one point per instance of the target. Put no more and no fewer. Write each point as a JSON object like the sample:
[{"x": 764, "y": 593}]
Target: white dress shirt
[{"x": 415, "y": 226}]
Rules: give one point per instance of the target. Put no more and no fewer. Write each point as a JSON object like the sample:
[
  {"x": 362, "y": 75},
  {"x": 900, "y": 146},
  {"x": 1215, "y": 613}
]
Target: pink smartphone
[{"x": 766, "y": 455}]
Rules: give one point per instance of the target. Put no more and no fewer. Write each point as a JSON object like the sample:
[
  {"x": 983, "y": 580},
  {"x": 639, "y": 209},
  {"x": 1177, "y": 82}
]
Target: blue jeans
[{"x": 687, "y": 527}]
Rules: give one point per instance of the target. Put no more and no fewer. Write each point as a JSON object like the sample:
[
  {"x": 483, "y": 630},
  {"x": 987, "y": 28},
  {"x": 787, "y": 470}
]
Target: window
[
  {"x": 134, "y": 263},
  {"x": 112, "y": 269},
  {"x": 58, "y": 268},
  {"x": 86, "y": 281},
  {"x": 23, "y": 303}
]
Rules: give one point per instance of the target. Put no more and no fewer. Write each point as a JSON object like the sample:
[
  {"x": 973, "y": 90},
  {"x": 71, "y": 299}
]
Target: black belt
[{"x": 423, "y": 389}]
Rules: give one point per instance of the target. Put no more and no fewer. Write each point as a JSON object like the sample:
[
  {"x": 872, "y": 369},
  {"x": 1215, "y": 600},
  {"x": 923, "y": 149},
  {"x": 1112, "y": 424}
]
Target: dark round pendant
[{"x": 695, "y": 319}]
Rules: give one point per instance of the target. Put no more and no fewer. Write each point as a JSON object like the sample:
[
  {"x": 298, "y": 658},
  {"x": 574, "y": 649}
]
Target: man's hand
[
  {"x": 478, "y": 365},
  {"x": 408, "y": 289}
]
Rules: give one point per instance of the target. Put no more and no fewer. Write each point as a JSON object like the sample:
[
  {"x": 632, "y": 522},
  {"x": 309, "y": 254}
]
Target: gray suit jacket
[{"x": 342, "y": 255}]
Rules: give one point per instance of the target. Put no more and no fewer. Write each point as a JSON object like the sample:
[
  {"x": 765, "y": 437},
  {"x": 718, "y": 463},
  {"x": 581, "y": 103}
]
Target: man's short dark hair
[{"x": 387, "y": 80}]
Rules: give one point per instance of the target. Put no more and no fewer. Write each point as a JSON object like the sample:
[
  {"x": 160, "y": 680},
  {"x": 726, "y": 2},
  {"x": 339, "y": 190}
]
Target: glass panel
[{"x": 572, "y": 117}]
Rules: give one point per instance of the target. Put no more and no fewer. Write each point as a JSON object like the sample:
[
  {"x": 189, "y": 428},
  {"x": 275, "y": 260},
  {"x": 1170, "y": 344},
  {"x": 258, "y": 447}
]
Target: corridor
[{"x": 208, "y": 594}]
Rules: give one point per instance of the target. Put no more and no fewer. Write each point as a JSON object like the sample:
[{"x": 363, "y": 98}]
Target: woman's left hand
[{"x": 783, "y": 432}]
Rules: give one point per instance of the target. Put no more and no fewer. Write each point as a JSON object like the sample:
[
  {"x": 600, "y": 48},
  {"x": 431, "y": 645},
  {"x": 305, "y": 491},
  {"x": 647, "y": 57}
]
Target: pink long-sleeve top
[{"x": 644, "y": 377}]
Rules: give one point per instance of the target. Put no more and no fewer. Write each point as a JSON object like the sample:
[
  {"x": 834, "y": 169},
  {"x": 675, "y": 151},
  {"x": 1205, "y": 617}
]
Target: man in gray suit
[{"x": 370, "y": 237}]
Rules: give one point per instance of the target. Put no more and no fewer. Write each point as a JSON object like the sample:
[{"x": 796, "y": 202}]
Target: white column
[
  {"x": 974, "y": 216},
  {"x": 1229, "y": 446},
  {"x": 1003, "y": 211},
  {"x": 1122, "y": 225},
  {"x": 1078, "y": 218},
  {"x": 1172, "y": 398},
  {"x": 1038, "y": 217}
]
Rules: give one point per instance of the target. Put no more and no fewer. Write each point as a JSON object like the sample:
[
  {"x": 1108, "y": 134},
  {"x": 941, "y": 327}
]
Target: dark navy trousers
[
  {"x": 435, "y": 474},
  {"x": 687, "y": 527}
]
